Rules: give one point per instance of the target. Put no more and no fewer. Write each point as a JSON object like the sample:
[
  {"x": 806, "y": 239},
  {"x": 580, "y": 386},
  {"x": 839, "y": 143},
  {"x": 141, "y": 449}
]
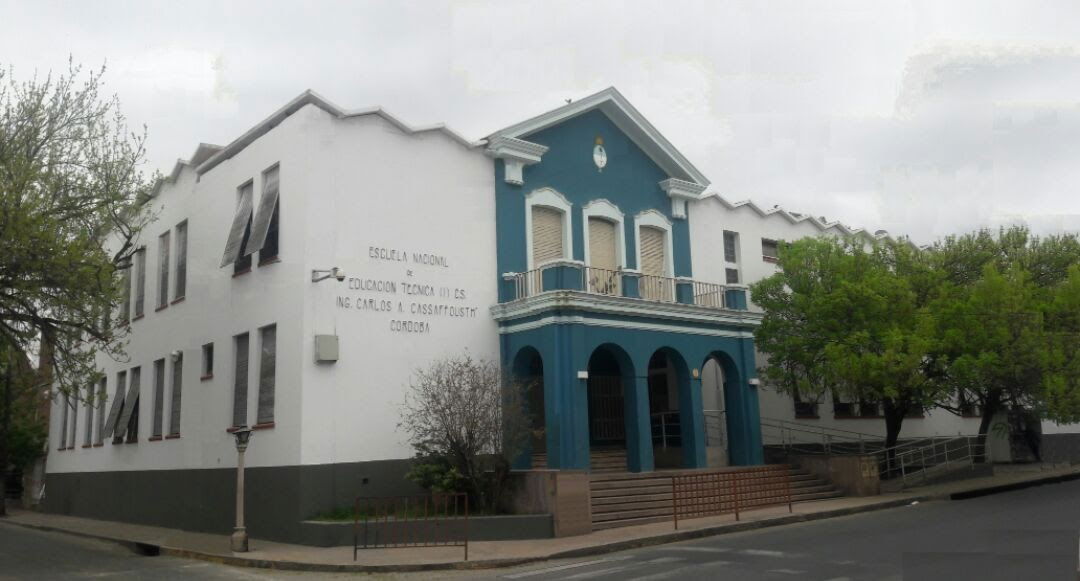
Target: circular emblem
[{"x": 599, "y": 156}]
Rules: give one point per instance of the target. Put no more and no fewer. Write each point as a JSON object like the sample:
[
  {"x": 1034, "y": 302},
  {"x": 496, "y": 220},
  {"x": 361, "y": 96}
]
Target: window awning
[
  {"x": 114, "y": 413},
  {"x": 262, "y": 217},
  {"x": 130, "y": 402},
  {"x": 239, "y": 224}
]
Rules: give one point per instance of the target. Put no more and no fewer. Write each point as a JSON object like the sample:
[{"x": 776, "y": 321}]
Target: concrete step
[{"x": 626, "y": 499}]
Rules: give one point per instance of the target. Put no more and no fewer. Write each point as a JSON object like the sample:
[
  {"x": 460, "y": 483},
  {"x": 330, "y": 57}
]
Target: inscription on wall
[{"x": 413, "y": 299}]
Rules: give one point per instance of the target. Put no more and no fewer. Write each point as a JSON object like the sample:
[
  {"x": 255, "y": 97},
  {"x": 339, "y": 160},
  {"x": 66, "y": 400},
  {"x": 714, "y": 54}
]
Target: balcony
[{"x": 575, "y": 276}]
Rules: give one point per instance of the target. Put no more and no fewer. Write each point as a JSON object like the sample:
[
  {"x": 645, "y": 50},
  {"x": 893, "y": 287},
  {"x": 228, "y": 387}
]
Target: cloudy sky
[{"x": 918, "y": 117}]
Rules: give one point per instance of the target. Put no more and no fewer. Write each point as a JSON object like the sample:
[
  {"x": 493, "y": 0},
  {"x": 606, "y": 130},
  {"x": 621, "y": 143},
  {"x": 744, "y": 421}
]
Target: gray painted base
[
  {"x": 481, "y": 528},
  {"x": 276, "y": 499}
]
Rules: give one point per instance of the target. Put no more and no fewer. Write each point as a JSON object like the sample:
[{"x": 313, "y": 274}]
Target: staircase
[
  {"x": 602, "y": 461},
  {"x": 621, "y": 499}
]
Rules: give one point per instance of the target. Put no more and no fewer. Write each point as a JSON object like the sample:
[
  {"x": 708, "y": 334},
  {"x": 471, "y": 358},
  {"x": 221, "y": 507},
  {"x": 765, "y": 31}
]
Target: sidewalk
[{"x": 267, "y": 554}]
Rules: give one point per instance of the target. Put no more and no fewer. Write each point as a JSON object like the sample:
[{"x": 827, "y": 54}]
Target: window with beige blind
[
  {"x": 547, "y": 235},
  {"x": 603, "y": 276},
  {"x": 655, "y": 284}
]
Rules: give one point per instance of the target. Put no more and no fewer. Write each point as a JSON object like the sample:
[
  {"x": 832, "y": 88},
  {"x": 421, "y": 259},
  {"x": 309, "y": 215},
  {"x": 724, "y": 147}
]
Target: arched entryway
[
  {"x": 714, "y": 408},
  {"x": 669, "y": 386},
  {"x": 725, "y": 412},
  {"x": 610, "y": 418},
  {"x": 528, "y": 380}
]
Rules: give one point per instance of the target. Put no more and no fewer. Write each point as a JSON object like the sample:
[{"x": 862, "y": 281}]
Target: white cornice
[
  {"x": 680, "y": 191},
  {"x": 628, "y": 119},
  {"x": 516, "y": 154}
]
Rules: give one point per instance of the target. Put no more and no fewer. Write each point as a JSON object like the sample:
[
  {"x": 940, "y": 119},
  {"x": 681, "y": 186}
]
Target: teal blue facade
[{"x": 640, "y": 347}]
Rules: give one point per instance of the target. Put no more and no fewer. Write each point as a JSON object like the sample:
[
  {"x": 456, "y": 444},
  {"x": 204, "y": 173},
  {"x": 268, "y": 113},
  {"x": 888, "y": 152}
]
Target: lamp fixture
[{"x": 335, "y": 272}]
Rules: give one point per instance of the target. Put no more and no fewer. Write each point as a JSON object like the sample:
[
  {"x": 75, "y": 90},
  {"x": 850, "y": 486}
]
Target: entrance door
[{"x": 607, "y": 424}]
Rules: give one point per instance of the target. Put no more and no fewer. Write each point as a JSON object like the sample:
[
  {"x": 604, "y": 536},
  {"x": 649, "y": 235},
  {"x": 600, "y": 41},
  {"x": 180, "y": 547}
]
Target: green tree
[
  {"x": 1007, "y": 322},
  {"x": 847, "y": 317},
  {"x": 71, "y": 186}
]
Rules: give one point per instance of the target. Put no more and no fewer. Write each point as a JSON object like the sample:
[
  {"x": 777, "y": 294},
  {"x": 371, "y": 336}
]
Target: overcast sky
[{"x": 919, "y": 117}]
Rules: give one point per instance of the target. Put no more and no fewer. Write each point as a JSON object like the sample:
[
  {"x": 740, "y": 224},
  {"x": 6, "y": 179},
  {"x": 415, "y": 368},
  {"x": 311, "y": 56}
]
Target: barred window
[
  {"x": 177, "y": 386},
  {"x": 163, "y": 271},
  {"x": 267, "y": 373},
  {"x": 140, "y": 281},
  {"x": 159, "y": 398},
  {"x": 181, "y": 261},
  {"x": 240, "y": 381}
]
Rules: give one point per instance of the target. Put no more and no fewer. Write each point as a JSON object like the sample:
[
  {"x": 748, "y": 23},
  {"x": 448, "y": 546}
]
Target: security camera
[{"x": 337, "y": 273}]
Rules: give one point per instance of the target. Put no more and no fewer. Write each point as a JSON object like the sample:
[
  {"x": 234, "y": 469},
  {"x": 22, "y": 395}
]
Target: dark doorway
[{"x": 607, "y": 408}]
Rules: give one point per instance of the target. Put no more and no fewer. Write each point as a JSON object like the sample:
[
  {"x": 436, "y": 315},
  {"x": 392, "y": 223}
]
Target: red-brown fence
[
  {"x": 399, "y": 522},
  {"x": 731, "y": 491}
]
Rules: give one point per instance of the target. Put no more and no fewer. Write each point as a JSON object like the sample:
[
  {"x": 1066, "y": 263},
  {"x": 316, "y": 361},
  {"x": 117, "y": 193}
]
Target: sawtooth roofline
[
  {"x": 310, "y": 97},
  {"x": 796, "y": 218},
  {"x": 207, "y": 156}
]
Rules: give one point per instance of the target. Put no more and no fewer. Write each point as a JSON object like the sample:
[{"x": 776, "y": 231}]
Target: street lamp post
[{"x": 240, "y": 536}]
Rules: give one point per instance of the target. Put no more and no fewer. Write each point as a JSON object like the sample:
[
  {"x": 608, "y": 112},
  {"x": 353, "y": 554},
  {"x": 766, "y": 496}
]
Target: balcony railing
[{"x": 568, "y": 275}]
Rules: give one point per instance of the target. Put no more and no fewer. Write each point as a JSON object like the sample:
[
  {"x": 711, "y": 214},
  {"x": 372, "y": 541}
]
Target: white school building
[{"x": 578, "y": 247}]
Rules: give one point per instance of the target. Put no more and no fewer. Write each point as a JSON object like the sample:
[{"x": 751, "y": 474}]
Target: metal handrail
[
  {"x": 717, "y": 430},
  {"x": 664, "y": 423}
]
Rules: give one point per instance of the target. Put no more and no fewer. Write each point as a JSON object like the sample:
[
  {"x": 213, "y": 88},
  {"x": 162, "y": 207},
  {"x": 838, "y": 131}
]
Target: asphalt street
[{"x": 870, "y": 546}]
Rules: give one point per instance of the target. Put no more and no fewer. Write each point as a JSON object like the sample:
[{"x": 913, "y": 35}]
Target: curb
[{"x": 144, "y": 548}]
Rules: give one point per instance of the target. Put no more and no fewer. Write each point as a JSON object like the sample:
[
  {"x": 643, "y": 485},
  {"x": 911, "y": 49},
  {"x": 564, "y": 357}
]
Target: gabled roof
[
  {"x": 628, "y": 119},
  {"x": 310, "y": 97}
]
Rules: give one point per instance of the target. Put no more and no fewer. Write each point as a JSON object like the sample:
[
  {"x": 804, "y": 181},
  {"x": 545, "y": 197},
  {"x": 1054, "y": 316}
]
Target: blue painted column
[
  {"x": 639, "y": 451},
  {"x": 567, "y": 406},
  {"x": 692, "y": 423},
  {"x": 751, "y": 411}
]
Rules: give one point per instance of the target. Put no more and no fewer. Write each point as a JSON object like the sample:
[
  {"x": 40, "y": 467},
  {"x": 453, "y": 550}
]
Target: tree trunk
[
  {"x": 5, "y": 430},
  {"x": 894, "y": 420},
  {"x": 990, "y": 409}
]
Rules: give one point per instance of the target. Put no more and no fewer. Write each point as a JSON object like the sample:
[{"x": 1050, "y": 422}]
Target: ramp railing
[
  {"x": 399, "y": 522},
  {"x": 705, "y": 494}
]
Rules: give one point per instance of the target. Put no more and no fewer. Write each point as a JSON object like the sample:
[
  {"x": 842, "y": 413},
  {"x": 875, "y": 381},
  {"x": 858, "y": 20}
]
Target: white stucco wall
[
  {"x": 345, "y": 185},
  {"x": 380, "y": 188}
]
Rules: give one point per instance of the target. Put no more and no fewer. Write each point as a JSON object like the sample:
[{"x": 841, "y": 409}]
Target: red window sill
[
  {"x": 172, "y": 437},
  {"x": 858, "y": 417},
  {"x": 232, "y": 429},
  {"x": 269, "y": 261},
  {"x": 161, "y": 307},
  {"x": 205, "y": 377},
  {"x": 242, "y": 272},
  {"x": 154, "y": 439},
  {"x": 87, "y": 446},
  {"x": 99, "y": 444},
  {"x": 808, "y": 417},
  {"x": 178, "y": 300},
  {"x": 263, "y": 426},
  {"x": 771, "y": 259},
  {"x": 138, "y": 317}
]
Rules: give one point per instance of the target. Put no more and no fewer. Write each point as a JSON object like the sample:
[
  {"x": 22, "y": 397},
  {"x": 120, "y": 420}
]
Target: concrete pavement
[{"x": 270, "y": 555}]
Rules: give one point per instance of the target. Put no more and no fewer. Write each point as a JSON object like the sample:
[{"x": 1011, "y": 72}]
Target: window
[
  {"x": 116, "y": 409},
  {"x": 159, "y": 398},
  {"x": 267, "y": 374},
  {"x": 128, "y": 421},
  {"x": 88, "y": 437},
  {"x": 207, "y": 361},
  {"x": 133, "y": 422},
  {"x": 731, "y": 253},
  {"x": 841, "y": 408},
  {"x": 603, "y": 275},
  {"x": 181, "y": 261},
  {"x": 102, "y": 397},
  {"x": 74, "y": 422},
  {"x": 240, "y": 381},
  {"x": 239, "y": 232},
  {"x": 140, "y": 281},
  {"x": 163, "y": 271},
  {"x": 869, "y": 408},
  {"x": 264, "y": 232},
  {"x": 177, "y": 386},
  {"x": 653, "y": 262},
  {"x": 805, "y": 408},
  {"x": 969, "y": 408},
  {"x": 732, "y": 275},
  {"x": 769, "y": 250},
  {"x": 125, "y": 300},
  {"x": 547, "y": 235},
  {"x": 65, "y": 404}
]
